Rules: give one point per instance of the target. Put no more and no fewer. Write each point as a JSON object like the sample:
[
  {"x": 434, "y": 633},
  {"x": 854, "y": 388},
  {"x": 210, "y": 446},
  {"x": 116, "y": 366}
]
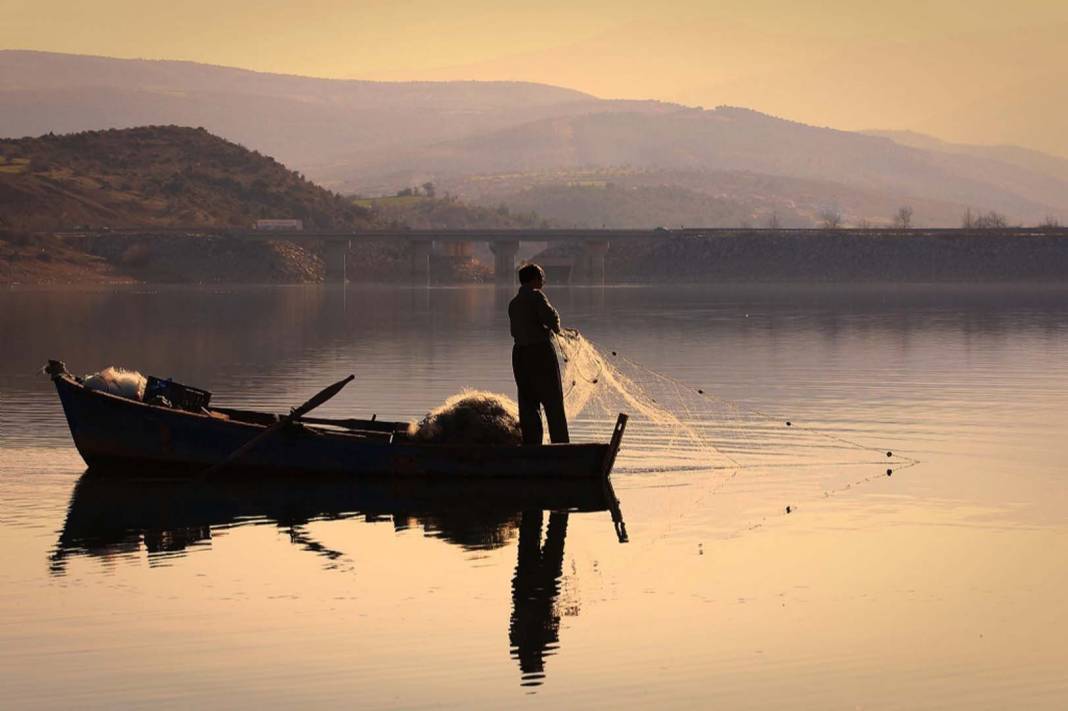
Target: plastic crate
[{"x": 184, "y": 397}]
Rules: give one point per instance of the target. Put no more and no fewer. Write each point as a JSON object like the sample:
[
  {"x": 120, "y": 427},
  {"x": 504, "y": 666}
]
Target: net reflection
[{"x": 112, "y": 516}]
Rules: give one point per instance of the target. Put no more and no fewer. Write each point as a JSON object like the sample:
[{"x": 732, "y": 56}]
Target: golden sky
[{"x": 973, "y": 70}]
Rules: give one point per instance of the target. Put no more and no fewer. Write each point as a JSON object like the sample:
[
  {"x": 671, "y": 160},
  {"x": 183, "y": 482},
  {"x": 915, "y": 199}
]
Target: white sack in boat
[
  {"x": 118, "y": 381},
  {"x": 471, "y": 417}
]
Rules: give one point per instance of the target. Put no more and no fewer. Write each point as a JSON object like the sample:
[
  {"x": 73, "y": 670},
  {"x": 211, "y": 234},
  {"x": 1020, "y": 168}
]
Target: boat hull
[{"x": 116, "y": 434}]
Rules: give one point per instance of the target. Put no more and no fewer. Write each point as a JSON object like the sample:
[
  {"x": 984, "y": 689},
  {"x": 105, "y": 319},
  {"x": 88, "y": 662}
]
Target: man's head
[{"x": 532, "y": 275}]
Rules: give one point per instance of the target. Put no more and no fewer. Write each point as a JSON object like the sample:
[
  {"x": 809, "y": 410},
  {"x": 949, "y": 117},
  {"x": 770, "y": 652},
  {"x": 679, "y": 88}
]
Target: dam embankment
[{"x": 844, "y": 256}]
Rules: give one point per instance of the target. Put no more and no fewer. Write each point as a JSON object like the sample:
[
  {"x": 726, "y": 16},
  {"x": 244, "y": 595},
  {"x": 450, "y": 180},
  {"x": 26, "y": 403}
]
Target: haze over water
[{"x": 940, "y": 586}]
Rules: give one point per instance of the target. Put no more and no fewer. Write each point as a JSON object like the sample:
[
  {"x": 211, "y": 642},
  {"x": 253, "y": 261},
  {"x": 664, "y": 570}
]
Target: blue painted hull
[{"x": 114, "y": 433}]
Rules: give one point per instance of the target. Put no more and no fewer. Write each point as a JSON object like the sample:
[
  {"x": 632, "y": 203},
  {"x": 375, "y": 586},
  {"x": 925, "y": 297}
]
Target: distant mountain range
[
  {"x": 298, "y": 120},
  {"x": 509, "y": 141}
]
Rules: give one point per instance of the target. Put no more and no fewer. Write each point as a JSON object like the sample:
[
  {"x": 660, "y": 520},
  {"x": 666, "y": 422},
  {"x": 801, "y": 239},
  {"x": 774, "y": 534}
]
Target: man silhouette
[{"x": 535, "y": 366}]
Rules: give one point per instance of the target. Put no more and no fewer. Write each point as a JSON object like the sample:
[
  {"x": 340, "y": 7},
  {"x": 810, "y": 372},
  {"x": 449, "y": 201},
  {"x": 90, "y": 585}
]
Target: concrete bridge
[{"x": 588, "y": 265}]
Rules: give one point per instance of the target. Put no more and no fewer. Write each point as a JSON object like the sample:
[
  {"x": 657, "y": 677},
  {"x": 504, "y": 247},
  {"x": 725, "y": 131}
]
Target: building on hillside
[{"x": 279, "y": 225}]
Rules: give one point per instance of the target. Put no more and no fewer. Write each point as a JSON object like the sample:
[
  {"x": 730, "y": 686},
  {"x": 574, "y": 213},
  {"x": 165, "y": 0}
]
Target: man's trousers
[{"x": 537, "y": 376}]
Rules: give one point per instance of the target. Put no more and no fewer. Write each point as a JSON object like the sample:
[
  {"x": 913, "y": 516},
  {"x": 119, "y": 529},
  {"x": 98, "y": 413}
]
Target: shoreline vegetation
[{"x": 157, "y": 178}]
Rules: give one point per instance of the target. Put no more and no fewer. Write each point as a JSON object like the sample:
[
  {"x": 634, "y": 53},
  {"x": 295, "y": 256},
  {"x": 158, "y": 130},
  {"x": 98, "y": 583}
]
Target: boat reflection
[{"x": 111, "y": 515}]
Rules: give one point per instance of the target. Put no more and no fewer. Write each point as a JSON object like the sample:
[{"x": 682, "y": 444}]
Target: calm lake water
[{"x": 940, "y": 586}]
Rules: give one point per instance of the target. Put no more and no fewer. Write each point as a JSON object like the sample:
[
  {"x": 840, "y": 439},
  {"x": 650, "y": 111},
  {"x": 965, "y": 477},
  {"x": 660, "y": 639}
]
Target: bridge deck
[{"x": 555, "y": 235}]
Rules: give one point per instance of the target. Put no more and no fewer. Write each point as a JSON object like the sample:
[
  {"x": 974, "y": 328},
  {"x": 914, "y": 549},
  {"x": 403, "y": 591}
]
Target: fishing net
[
  {"x": 676, "y": 426},
  {"x": 597, "y": 386}
]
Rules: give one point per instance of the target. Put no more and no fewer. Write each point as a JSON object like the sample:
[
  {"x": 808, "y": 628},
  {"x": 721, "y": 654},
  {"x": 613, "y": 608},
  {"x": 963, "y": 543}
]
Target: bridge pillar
[
  {"x": 457, "y": 249},
  {"x": 504, "y": 252},
  {"x": 335, "y": 255},
  {"x": 421, "y": 249},
  {"x": 595, "y": 251}
]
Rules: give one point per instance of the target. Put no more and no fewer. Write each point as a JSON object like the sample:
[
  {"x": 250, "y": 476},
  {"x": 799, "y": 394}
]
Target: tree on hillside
[
  {"x": 831, "y": 218},
  {"x": 1050, "y": 223},
  {"x": 990, "y": 221},
  {"x": 773, "y": 222},
  {"x": 428, "y": 189},
  {"x": 903, "y": 218}
]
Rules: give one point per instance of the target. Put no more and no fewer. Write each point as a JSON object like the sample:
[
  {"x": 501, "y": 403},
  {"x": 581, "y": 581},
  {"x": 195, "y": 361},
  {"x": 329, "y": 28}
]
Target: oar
[
  {"x": 617, "y": 514},
  {"x": 609, "y": 492},
  {"x": 295, "y": 413}
]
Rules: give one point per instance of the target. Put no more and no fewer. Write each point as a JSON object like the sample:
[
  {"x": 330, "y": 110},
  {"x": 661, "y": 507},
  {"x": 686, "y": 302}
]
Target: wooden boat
[{"x": 117, "y": 434}]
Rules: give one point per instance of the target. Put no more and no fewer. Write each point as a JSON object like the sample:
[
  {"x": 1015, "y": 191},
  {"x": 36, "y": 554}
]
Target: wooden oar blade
[{"x": 323, "y": 396}]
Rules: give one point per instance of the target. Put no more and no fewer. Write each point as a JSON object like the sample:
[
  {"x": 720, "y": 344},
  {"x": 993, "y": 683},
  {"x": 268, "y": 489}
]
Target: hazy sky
[{"x": 973, "y": 70}]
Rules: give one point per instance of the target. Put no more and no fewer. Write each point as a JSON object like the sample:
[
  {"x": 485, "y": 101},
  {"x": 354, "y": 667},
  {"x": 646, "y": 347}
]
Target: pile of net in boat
[
  {"x": 471, "y": 417},
  {"x": 132, "y": 385},
  {"x": 129, "y": 384}
]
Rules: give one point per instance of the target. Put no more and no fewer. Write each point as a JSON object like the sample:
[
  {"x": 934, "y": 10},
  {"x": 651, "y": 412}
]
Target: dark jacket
[{"x": 533, "y": 319}]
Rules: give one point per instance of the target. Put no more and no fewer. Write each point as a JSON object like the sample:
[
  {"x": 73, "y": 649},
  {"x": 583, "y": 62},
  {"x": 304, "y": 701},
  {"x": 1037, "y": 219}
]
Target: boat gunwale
[{"x": 318, "y": 430}]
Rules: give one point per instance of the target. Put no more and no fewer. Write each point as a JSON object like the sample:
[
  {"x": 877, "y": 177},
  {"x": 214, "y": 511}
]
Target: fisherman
[{"x": 534, "y": 363}]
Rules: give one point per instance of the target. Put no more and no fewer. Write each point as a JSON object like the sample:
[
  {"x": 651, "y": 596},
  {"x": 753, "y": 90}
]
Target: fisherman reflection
[{"x": 535, "y": 625}]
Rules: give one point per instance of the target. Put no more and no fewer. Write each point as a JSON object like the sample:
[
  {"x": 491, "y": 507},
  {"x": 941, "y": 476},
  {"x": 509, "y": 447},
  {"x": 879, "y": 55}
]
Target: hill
[
  {"x": 447, "y": 212},
  {"x": 628, "y": 197},
  {"x": 154, "y": 176},
  {"x": 1042, "y": 163}
]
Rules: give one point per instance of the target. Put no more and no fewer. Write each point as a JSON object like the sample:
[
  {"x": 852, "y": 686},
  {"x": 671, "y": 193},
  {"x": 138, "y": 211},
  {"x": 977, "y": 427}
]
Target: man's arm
[{"x": 547, "y": 314}]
